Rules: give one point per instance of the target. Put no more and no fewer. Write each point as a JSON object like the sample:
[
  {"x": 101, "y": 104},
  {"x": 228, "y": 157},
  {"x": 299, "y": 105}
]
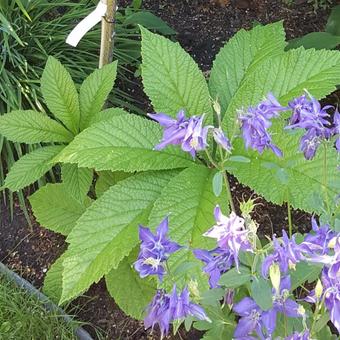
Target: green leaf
[
  {"x": 150, "y": 21},
  {"x": 124, "y": 143},
  {"x": 94, "y": 92},
  {"x": 304, "y": 272},
  {"x": 189, "y": 202},
  {"x": 130, "y": 292},
  {"x": 77, "y": 181},
  {"x": 108, "y": 230},
  {"x": 55, "y": 209},
  {"x": 286, "y": 76},
  {"x": 172, "y": 80},
  {"x": 333, "y": 23},
  {"x": 32, "y": 127},
  {"x": 217, "y": 183},
  {"x": 317, "y": 40},
  {"x": 31, "y": 167},
  {"x": 244, "y": 52},
  {"x": 234, "y": 278},
  {"x": 290, "y": 177},
  {"x": 107, "y": 179},
  {"x": 261, "y": 292},
  {"x": 60, "y": 94},
  {"x": 107, "y": 115},
  {"x": 53, "y": 280}
]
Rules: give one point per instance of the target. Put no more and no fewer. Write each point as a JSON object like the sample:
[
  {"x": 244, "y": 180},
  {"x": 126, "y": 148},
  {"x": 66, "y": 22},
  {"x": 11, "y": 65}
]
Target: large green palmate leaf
[
  {"x": 189, "y": 201},
  {"x": 171, "y": 78},
  {"x": 94, "y": 91},
  {"x": 130, "y": 292},
  {"x": 31, "y": 167},
  {"x": 60, "y": 94},
  {"x": 107, "y": 115},
  {"x": 56, "y": 209},
  {"x": 108, "y": 230},
  {"x": 123, "y": 143},
  {"x": 32, "y": 127},
  {"x": 107, "y": 179},
  {"x": 290, "y": 178},
  {"x": 286, "y": 76},
  {"x": 77, "y": 180},
  {"x": 245, "y": 51}
]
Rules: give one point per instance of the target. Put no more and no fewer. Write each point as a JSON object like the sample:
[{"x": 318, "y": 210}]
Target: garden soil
[{"x": 202, "y": 27}]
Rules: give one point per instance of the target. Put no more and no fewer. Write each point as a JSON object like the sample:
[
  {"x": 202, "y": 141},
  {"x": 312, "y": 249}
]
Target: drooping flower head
[
  {"x": 336, "y": 130},
  {"x": 195, "y": 138},
  {"x": 286, "y": 254},
  {"x": 310, "y": 116},
  {"x": 154, "y": 250},
  {"x": 221, "y": 139},
  {"x": 217, "y": 262},
  {"x": 318, "y": 241},
  {"x": 165, "y": 308},
  {"x": 255, "y": 123},
  {"x": 230, "y": 233}
]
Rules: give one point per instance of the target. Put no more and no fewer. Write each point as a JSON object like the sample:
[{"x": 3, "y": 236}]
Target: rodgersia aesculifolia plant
[{"x": 200, "y": 262}]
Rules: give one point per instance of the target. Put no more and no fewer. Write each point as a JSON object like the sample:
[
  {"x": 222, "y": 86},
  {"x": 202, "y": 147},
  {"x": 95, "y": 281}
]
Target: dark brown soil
[{"x": 202, "y": 28}]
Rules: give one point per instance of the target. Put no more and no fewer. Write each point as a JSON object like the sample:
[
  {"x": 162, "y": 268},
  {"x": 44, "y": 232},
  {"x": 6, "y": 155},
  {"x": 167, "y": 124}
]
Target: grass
[{"x": 23, "y": 317}]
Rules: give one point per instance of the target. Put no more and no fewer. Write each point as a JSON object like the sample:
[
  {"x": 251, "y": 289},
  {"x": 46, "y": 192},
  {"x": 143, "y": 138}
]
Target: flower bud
[
  {"x": 301, "y": 310},
  {"x": 247, "y": 207},
  {"x": 217, "y": 107},
  {"x": 318, "y": 289},
  {"x": 275, "y": 276},
  {"x": 332, "y": 242},
  {"x": 193, "y": 289}
]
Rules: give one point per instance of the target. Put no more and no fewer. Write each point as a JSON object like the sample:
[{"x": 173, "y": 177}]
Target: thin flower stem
[
  {"x": 211, "y": 159},
  {"x": 325, "y": 166},
  {"x": 290, "y": 223},
  {"x": 230, "y": 197},
  {"x": 315, "y": 315}
]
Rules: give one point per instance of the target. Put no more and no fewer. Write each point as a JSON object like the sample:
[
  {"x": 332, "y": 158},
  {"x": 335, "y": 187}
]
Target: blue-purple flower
[
  {"x": 286, "y": 254},
  {"x": 310, "y": 116},
  {"x": 195, "y": 138},
  {"x": 155, "y": 249},
  {"x": 255, "y": 123},
  {"x": 230, "y": 233},
  {"x": 165, "y": 308},
  {"x": 174, "y": 129},
  {"x": 336, "y": 130},
  {"x": 253, "y": 320},
  {"x": 217, "y": 262},
  {"x": 187, "y": 132},
  {"x": 221, "y": 139}
]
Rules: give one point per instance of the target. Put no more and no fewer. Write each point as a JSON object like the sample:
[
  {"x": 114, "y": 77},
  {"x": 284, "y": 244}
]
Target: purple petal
[
  {"x": 269, "y": 320},
  {"x": 245, "y": 327},
  {"x": 245, "y": 306}
]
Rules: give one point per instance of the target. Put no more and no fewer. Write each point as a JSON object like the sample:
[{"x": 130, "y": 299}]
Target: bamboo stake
[{"x": 108, "y": 26}]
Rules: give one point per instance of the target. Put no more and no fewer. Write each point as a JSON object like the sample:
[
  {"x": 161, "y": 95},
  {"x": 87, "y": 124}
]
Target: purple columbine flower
[
  {"x": 253, "y": 320},
  {"x": 299, "y": 336},
  {"x": 159, "y": 312},
  {"x": 336, "y": 130},
  {"x": 255, "y": 124},
  {"x": 299, "y": 105},
  {"x": 221, "y": 139},
  {"x": 318, "y": 241},
  {"x": 308, "y": 115},
  {"x": 195, "y": 138},
  {"x": 154, "y": 250},
  {"x": 230, "y": 233},
  {"x": 174, "y": 129},
  {"x": 181, "y": 306},
  {"x": 286, "y": 254},
  {"x": 165, "y": 308},
  {"x": 218, "y": 261}
]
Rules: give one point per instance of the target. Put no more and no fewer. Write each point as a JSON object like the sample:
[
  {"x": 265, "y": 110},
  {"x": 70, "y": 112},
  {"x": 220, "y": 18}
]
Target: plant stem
[
  {"x": 315, "y": 314},
  {"x": 325, "y": 176},
  {"x": 289, "y": 212},
  {"x": 106, "y": 46},
  {"x": 230, "y": 197}
]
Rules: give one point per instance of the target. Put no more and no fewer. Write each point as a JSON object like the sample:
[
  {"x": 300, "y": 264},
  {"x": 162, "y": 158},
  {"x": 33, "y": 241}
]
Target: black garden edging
[{"x": 79, "y": 332}]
